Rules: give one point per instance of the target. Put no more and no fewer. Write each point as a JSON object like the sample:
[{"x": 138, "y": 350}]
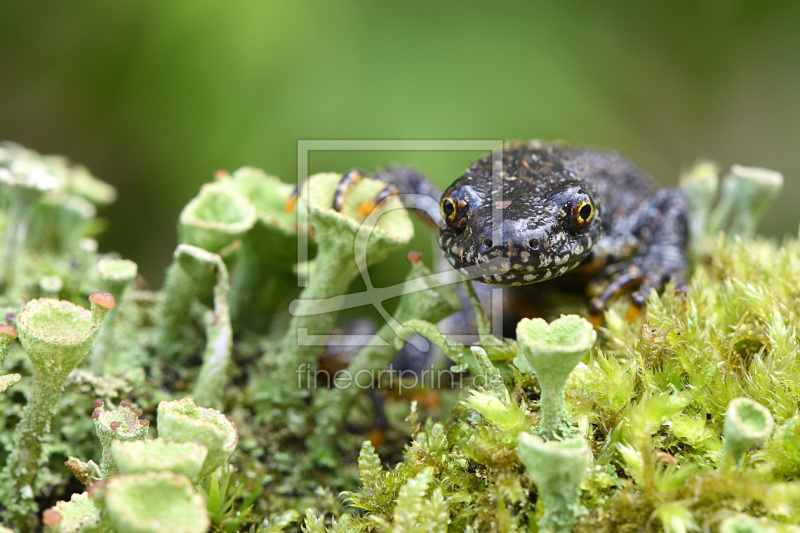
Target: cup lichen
[
  {"x": 747, "y": 424},
  {"x": 552, "y": 351},
  {"x": 120, "y": 424},
  {"x": 421, "y": 299},
  {"x": 215, "y": 217},
  {"x": 347, "y": 242},
  {"x": 557, "y": 468},
  {"x": 115, "y": 276},
  {"x": 77, "y": 514},
  {"x": 56, "y": 336},
  {"x": 183, "y": 420},
  {"x": 746, "y": 194},
  {"x": 151, "y": 455},
  {"x": 152, "y": 502}
]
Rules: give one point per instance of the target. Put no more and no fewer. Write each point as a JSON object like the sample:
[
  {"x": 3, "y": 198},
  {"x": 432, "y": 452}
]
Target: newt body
[{"x": 551, "y": 209}]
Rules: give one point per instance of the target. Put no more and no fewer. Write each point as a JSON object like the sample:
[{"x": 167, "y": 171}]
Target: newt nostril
[
  {"x": 533, "y": 243},
  {"x": 488, "y": 243}
]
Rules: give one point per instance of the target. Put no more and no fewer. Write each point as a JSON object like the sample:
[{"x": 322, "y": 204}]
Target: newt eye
[
  {"x": 582, "y": 211},
  {"x": 454, "y": 207},
  {"x": 448, "y": 207}
]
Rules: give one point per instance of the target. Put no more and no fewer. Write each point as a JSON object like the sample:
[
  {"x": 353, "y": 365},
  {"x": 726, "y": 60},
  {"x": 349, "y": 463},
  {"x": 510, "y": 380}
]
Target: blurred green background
[{"x": 155, "y": 96}]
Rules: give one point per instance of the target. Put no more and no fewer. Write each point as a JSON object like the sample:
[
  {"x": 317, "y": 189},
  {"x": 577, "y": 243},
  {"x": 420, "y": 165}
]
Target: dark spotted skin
[{"x": 518, "y": 225}]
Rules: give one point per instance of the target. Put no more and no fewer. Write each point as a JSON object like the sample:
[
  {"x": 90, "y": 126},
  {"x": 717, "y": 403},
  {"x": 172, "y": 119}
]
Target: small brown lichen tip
[
  {"x": 9, "y": 330},
  {"x": 97, "y": 403},
  {"x": 144, "y": 422},
  {"x": 124, "y": 403},
  {"x": 114, "y": 425},
  {"x": 96, "y": 414},
  {"x": 104, "y": 299},
  {"x": 94, "y": 486},
  {"x": 137, "y": 411},
  {"x": 413, "y": 257},
  {"x": 51, "y": 517}
]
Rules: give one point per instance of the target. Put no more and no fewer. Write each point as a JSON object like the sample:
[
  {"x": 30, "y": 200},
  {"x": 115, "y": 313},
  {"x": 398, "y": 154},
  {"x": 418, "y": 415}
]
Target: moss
[{"x": 651, "y": 399}]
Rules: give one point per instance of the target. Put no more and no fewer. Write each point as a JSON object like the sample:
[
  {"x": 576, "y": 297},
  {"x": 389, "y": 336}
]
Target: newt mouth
[{"x": 503, "y": 270}]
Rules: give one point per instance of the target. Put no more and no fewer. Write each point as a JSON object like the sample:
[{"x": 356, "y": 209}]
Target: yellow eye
[
  {"x": 448, "y": 208},
  {"x": 583, "y": 212}
]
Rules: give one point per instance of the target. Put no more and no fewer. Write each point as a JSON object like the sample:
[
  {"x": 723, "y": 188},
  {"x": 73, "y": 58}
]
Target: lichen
[{"x": 654, "y": 404}]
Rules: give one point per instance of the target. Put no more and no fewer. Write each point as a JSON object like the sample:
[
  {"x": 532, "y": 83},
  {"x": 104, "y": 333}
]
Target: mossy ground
[{"x": 650, "y": 398}]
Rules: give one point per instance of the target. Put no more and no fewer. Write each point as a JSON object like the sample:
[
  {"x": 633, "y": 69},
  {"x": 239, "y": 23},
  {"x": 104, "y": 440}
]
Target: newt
[
  {"x": 544, "y": 210},
  {"x": 552, "y": 209}
]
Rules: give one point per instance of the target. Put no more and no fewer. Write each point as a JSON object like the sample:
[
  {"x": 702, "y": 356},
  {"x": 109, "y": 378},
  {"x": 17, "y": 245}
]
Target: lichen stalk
[
  {"x": 340, "y": 237},
  {"x": 116, "y": 276},
  {"x": 191, "y": 275},
  {"x": 331, "y": 406},
  {"x": 332, "y": 274},
  {"x": 557, "y": 468},
  {"x": 219, "y": 340},
  {"x": 56, "y": 336},
  {"x": 24, "y": 186}
]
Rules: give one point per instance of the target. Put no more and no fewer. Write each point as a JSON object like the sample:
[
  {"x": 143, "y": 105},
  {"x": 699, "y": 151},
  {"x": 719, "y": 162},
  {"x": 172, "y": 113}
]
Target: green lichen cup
[
  {"x": 120, "y": 424},
  {"x": 183, "y": 421},
  {"x": 746, "y": 194},
  {"x": 757, "y": 188},
  {"x": 391, "y": 229},
  {"x": 700, "y": 186},
  {"x": 215, "y": 217},
  {"x": 116, "y": 274},
  {"x": 274, "y": 224},
  {"x": 79, "y": 181},
  {"x": 153, "y": 502},
  {"x": 153, "y": 455},
  {"x": 552, "y": 351},
  {"x": 557, "y": 468},
  {"x": 747, "y": 424},
  {"x": 78, "y": 514},
  {"x": 56, "y": 336}
]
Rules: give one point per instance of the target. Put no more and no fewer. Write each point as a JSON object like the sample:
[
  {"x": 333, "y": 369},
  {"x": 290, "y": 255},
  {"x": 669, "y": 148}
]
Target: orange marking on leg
[
  {"x": 633, "y": 313},
  {"x": 377, "y": 437},
  {"x": 366, "y": 208}
]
